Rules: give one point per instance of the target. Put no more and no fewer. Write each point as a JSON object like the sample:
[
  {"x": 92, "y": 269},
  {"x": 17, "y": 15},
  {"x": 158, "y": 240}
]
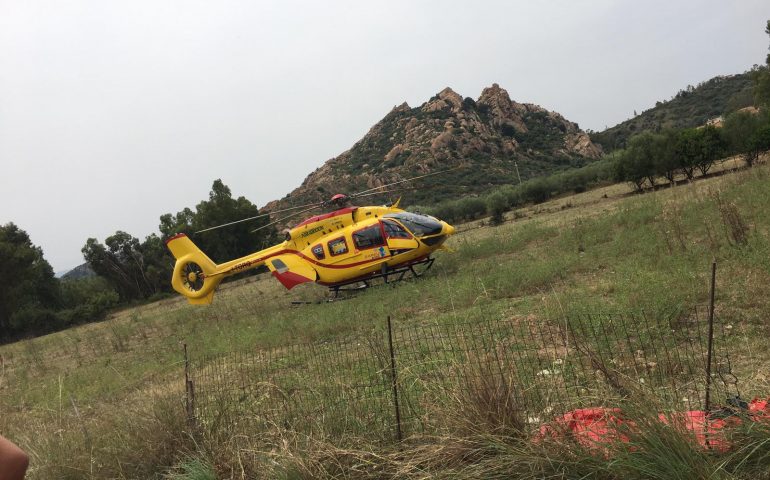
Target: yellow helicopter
[{"x": 350, "y": 245}]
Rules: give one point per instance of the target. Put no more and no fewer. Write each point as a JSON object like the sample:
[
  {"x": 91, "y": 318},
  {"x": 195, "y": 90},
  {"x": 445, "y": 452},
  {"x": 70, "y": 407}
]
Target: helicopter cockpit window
[
  {"x": 394, "y": 230},
  {"x": 368, "y": 237},
  {"x": 318, "y": 252},
  {"x": 419, "y": 225},
  {"x": 338, "y": 246}
]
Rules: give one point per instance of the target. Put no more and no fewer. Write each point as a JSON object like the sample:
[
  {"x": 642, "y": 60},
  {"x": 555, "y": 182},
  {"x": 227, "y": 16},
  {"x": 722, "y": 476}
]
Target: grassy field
[{"x": 106, "y": 400}]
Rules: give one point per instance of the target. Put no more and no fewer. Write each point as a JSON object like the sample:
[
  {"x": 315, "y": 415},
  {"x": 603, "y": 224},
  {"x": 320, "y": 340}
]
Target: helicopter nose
[{"x": 448, "y": 229}]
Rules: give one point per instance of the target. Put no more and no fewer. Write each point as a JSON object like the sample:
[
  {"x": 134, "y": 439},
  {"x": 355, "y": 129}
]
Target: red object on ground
[
  {"x": 760, "y": 408},
  {"x": 595, "y": 428},
  {"x": 590, "y": 427},
  {"x": 708, "y": 432}
]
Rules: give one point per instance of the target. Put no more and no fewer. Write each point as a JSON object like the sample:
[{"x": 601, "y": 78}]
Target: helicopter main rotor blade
[
  {"x": 260, "y": 216},
  {"x": 361, "y": 193},
  {"x": 382, "y": 192},
  {"x": 313, "y": 207},
  {"x": 233, "y": 223},
  {"x": 284, "y": 218}
]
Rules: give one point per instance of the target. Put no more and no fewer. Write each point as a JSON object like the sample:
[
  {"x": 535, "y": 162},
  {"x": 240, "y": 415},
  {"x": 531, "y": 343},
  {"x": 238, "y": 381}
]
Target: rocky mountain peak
[
  {"x": 496, "y": 101},
  {"x": 445, "y": 99},
  {"x": 404, "y": 107},
  {"x": 495, "y": 96},
  {"x": 489, "y": 136},
  {"x": 451, "y": 97}
]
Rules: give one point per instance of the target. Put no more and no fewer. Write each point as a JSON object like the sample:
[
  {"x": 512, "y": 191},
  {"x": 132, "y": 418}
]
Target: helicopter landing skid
[{"x": 388, "y": 275}]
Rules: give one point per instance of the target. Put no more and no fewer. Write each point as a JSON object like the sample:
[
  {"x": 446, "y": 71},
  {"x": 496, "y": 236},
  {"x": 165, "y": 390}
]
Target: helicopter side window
[
  {"x": 318, "y": 252},
  {"x": 368, "y": 237},
  {"x": 338, "y": 246},
  {"x": 394, "y": 230}
]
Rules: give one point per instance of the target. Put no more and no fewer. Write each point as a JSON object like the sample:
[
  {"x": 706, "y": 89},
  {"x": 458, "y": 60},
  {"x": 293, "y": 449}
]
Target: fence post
[
  {"x": 394, "y": 380},
  {"x": 189, "y": 390},
  {"x": 710, "y": 345}
]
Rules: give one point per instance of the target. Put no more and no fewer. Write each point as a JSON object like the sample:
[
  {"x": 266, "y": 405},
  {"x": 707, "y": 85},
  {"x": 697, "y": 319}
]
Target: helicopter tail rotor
[{"x": 194, "y": 272}]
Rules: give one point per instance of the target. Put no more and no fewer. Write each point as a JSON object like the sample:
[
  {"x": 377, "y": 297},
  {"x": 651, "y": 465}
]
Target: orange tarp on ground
[{"x": 598, "y": 427}]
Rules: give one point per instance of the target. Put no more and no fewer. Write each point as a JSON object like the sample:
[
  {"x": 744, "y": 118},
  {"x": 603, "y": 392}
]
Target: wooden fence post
[
  {"x": 189, "y": 390},
  {"x": 394, "y": 381},
  {"x": 709, "y": 353},
  {"x": 710, "y": 346}
]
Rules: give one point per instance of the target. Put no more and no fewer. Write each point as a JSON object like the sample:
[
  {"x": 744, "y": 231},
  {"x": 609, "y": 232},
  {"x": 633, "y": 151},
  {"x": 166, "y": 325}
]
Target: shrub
[
  {"x": 537, "y": 190},
  {"x": 497, "y": 205},
  {"x": 471, "y": 208}
]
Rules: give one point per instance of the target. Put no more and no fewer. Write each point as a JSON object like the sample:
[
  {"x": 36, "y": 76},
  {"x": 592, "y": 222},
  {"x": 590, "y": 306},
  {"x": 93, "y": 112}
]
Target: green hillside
[
  {"x": 690, "y": 107},
  {"x": 107, "y": 400}
]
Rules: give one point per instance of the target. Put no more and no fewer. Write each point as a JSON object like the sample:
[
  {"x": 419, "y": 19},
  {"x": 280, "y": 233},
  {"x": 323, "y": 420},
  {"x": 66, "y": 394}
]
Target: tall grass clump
[
  {"x": 477, "y": 431},
  {"x": 192, "y": 468},
  {"x": 138, "y": 441}
]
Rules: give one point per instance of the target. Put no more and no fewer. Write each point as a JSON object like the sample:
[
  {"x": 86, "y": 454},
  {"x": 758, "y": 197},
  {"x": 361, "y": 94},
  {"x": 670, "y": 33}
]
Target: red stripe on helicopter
[
  {"x": 178, "y": 235},
  {"x": 336, "y": 213},
  {"x": 290, "y": 279},
  {"x": 311, "y": 260}
]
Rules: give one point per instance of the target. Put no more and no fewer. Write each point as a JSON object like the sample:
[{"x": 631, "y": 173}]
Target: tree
[
  {"x": 637, "y": 163},
  {"x": 140, "y": 270},
  {"x": 762, "y": 79},
  {"x": 136, "y": 270},
  {"x": 107, "y": 265},
  {"x": 170, "y": 225},
  {"x": 158, "y": 262},
  {"x": 688, "y": 150},
  {"x": 29, "y": 292},
  {"x": 759, "y": 141},
  {"x": 739, "y": 129},
  {"x": 497, "y": 205},
  {"x": 226, "y": 243},
  {"x": 713, "y": 145},
  {"x": 85, "y": 299},
  {"x": 665, "y": 161}
]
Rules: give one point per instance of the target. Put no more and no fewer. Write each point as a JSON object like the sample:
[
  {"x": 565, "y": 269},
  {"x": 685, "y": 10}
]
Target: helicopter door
[{"x": 398, "y": 238}]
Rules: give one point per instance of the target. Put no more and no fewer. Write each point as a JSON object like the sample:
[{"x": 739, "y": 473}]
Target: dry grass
[{"x": 105, "y": 400}]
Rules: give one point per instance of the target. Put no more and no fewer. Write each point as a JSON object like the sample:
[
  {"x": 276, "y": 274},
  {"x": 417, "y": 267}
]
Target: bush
[
  {"x": 34, "y": 320},
  {"x": 471, "y": 208},
  {"x": 497, "y": 205},
  {"x": 537, "y": 190}
]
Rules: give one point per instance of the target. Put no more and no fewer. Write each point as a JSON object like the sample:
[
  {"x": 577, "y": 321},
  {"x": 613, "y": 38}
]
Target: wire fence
[{"x": 396, "y": 381}]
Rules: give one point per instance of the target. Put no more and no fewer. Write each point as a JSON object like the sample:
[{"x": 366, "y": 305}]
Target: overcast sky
[{"x": 115, "y": 112}]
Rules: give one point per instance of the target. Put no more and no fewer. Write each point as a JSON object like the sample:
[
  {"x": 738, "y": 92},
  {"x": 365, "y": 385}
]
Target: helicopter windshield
[{"x": 419, "y": 225}]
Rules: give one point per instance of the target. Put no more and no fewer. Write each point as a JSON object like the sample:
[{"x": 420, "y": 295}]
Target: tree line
[
  {"x": 673, "y": 153},
  {"x": 669, "y": 154},
  {"x": 535, "y": 190},
  {"x": 33, "y": 301},
  {"x": 666, "y": 153},
  {"x": 128, "y": 270}
]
